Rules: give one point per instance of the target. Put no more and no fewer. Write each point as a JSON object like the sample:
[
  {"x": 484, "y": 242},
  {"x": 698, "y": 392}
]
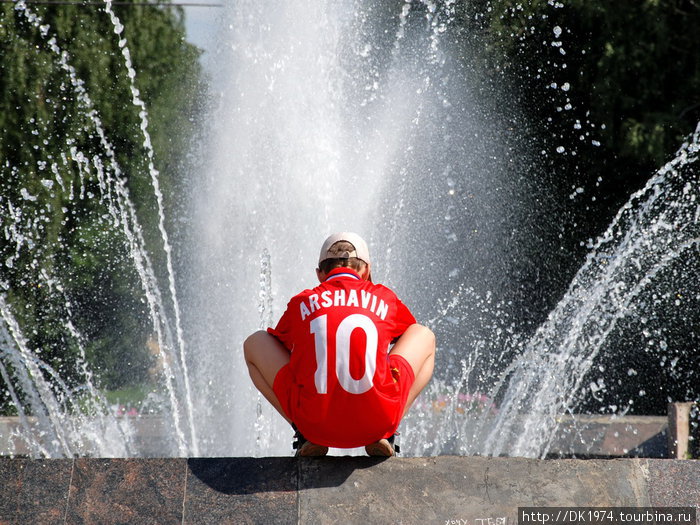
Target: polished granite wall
[{"x": 445, "y": 489}]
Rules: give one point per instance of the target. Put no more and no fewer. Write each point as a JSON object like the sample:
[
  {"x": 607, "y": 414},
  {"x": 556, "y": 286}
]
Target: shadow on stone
[
  {"x": 275, "y": 474},
  {"x": 654, "y": 447},
  {"x": 241, "y": 490},
  {"x": 245, "y": 475}
]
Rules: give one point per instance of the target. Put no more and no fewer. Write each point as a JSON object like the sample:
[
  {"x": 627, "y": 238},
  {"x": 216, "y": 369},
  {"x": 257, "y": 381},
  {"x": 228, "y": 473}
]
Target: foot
[
  {"x": 306, "y": 448},
  {"x": 311, "y": 450},
  {"x": 382, "y": 448}
]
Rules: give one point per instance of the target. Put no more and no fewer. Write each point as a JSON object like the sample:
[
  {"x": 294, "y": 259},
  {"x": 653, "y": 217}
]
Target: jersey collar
[{"x": 342, "y": 273}]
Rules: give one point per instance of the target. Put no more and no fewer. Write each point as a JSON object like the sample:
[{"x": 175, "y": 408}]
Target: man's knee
[
  {"x": 424, "y": 337},
  {"x": 252, "y": 344},
  {"x": 417, "y": 346}
]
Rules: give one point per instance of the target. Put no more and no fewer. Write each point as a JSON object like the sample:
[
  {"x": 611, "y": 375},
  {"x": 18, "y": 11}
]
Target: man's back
[
  {"x": 339, "y": 335},
  {"x": 327, "y": 367}
]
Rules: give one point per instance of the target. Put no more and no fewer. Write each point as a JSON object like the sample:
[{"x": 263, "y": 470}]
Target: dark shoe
[{"x": 382, "y": 448}]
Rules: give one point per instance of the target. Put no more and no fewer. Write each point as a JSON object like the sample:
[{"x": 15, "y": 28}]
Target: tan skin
[{"x": 265, "y": 355}]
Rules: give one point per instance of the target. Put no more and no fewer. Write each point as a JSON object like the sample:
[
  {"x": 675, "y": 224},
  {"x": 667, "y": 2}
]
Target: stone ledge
[
  {"x": 330, "y": 490},
  {"x": 581, "y": 436}
]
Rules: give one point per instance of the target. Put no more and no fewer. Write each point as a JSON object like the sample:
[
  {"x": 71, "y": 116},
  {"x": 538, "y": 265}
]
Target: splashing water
[
  {"x": 354, "y": 117},
  {"x": 652, "y": 243},
  {"x": 655, "y": 230},
  {"x": 326, "y": 124},
  {"x": 121, "y": 212},
  {"x": 391, "y": 115}
]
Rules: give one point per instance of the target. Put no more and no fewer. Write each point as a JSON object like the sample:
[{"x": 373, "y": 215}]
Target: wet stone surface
[
  {"x": 34, "y": 491},
  {"x": 444, "y": 489},
  {"x": 674, "y": 483}
]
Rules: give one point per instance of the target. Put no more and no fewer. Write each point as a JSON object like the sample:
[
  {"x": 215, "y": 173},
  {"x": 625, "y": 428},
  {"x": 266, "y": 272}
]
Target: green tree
[
  {"x": 609, "y": 90},
  {"x": 612, "y": 90},
  {"x": 64, "y": 254},
  {"x": 625, "y": 76}
]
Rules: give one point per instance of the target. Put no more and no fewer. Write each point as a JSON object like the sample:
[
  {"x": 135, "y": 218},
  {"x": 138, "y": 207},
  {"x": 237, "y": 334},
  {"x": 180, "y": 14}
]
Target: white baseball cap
[{"x": 361, "y": 251}]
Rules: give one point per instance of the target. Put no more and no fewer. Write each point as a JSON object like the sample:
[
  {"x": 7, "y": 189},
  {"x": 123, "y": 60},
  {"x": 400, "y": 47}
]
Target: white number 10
[{"x": 319, "y": 327}]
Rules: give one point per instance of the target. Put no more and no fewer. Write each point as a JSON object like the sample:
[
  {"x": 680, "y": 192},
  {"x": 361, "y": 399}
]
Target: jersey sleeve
[
  {"x": 403, "y": 319},
  {"x": 284, "y": 328}
]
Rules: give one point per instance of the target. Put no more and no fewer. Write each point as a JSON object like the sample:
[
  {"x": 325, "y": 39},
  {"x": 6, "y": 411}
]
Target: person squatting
[{"x": 346, "y": 359}]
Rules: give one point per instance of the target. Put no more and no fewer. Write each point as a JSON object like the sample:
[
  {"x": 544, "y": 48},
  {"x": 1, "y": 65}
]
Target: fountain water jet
[
  {"x": 329, "y": 121},
  {"x": 657, "y": 226}
]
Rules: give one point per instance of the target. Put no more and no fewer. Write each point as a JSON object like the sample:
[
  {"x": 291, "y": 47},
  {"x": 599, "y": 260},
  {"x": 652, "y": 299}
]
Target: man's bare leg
[
  {"x": 417, "y": 346},
  {"x": 265, "y": 355}
]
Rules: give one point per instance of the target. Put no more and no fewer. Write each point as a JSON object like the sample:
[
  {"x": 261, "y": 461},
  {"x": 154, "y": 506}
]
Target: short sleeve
[
  {"x": 284, "y": 328},
  {"x": 403, "y": 319}
]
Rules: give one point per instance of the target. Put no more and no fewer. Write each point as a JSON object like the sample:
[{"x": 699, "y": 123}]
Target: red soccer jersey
[{"x": 342, "y": 392}]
